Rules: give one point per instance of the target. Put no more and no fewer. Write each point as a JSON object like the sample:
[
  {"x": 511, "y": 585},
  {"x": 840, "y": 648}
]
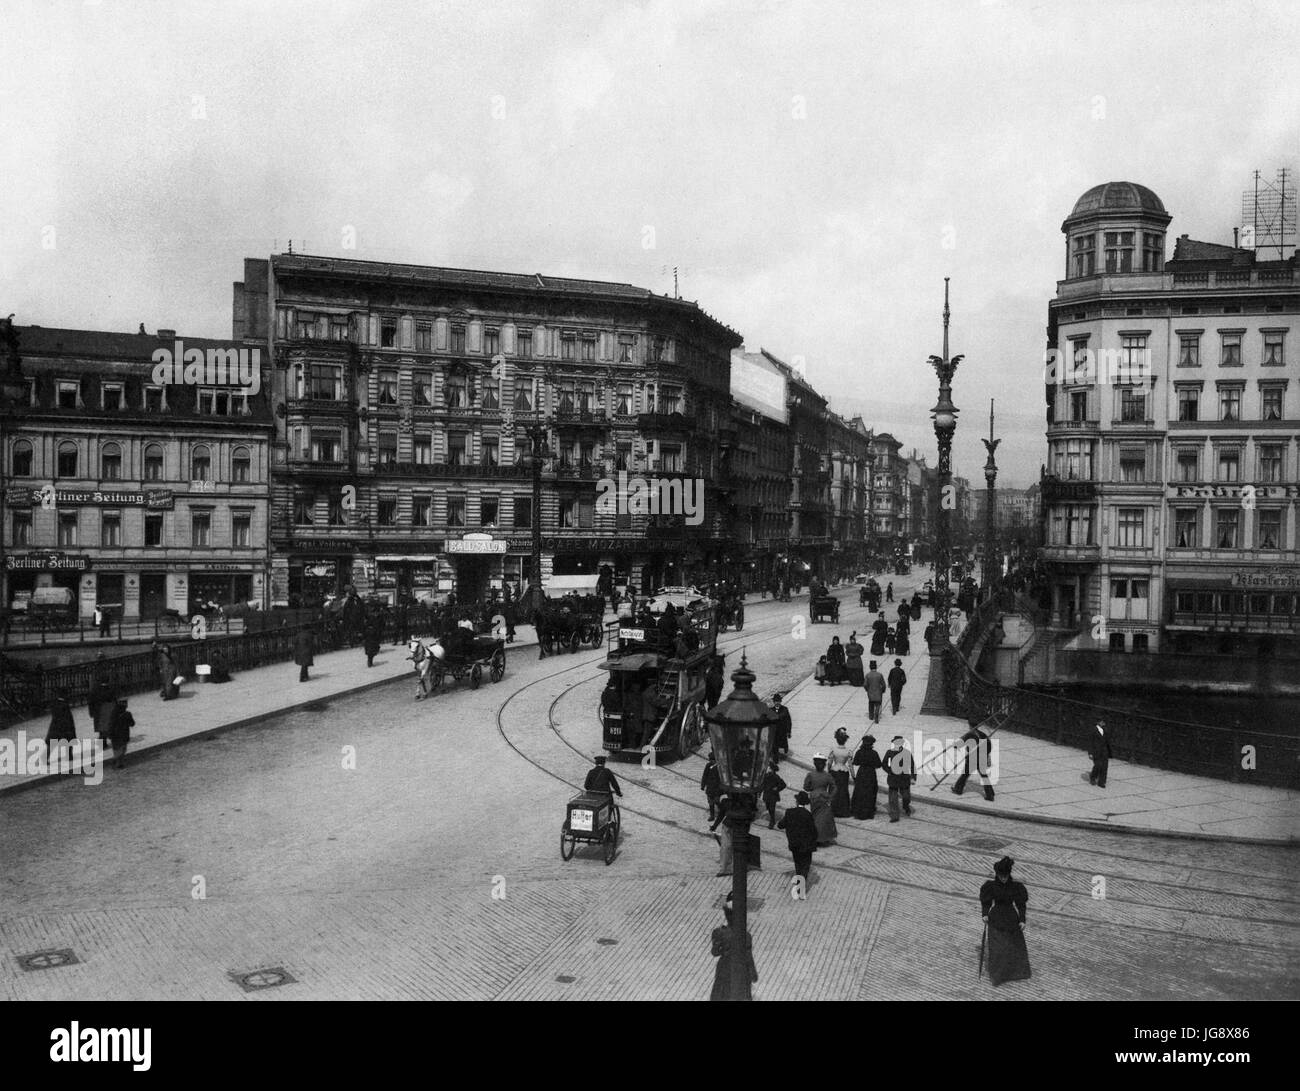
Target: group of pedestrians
[{"x": 111, "y": 719}]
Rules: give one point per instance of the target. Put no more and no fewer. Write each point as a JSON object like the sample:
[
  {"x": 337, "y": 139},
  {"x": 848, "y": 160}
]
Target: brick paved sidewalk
[
  {"x": 249, "y": 697},
  {"x": 1038, "y": 781}
]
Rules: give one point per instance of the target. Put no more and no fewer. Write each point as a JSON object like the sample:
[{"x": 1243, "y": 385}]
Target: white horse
[{"x": 423, "y": 656}]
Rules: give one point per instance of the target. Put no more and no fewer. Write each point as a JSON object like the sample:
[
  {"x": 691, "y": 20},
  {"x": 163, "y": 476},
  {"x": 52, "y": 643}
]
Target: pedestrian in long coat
[
  {"x": 1099, "y": 751},
  {"x": 726, "y": 857},
  {"x": 903, "y": 638},
  {"x": 853, "y": 652},
  {"x": 120, "y": 732},
  {"x": 900, "y": 775},
  {"x": 304, "y": 645},
  {"x": 371, "y": 640},
  {"x": 168, "y": 672},
  {"x": 783, "y": 727},
  {"x": 897, "y": 680},
  {"x": 773, "y": 786},
  {"x": 820, "y": 786},
  {"x": 800, "y": 834},
  {"x": 711, "y": 784},
  {"x": 835, "y": 661},
  {"x": 725, "y": 950},
  {"x": 1002, "y": 903},
  {"x": 865, "y": 786},
  {"x": 713, "y": 685},
  {"x": 62, "y": 728},
  {"x": 874, "y": 684},
  {"x": 102, "y": 701},
  {"x": 879, "y": 631},
  {"x": 840, "y": 765}
]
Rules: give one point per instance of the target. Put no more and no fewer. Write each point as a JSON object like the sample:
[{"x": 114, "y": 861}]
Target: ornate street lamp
[
  {"x": 944, "y": 415},
  {"x": 537, "y": 436},
  {"x": 740, "y": 732}
]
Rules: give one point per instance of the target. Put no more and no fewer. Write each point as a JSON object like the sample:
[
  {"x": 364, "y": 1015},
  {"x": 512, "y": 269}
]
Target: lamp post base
[
  {"x": 739, "y": 820},
  {"x": 936, "y": 689}
]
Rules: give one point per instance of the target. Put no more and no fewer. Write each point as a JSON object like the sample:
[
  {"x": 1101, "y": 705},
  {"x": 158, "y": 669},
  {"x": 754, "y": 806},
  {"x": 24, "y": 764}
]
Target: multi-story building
[
  {"x": 887, "y": 494},
  {"x": 136, "y": 495},
  {"x": 1173, "y": 418},
  {"x": 761, "y": 471},
  {"x": 405, "y": 398},
  {"x": 850, "y": 460}
]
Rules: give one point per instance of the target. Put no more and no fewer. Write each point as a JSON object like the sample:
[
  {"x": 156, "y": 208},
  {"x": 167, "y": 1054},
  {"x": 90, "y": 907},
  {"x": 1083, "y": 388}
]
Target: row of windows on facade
[
  {"x": 68, "y": 530},
  {"x": 209, "y": 401},
  {"x": 326, "y": 383},
  {"x": 112, "y": 468},
  {"x": 1074, "y": 460},
  {"x": 326, "y": 445},
  {"x": 1238, "y": 603},
  {"x": 328, "y": 510},
  {"x": 1132, "y": 403},
  {"x": 1073, "y": 525},
  {"x": 1133, "y": 350},
  {"x": 1120, "y": 250},
  {"x": 573, "y": 344}
]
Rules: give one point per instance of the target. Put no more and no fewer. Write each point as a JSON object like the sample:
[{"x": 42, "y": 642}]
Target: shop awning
[
  {"x": 634, "y": 662},
  {"x": 423, "y": 558}
]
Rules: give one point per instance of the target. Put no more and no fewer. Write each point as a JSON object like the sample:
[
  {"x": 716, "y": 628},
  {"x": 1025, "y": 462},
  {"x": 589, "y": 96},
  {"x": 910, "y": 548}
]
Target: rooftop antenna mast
[{"x": 1268, "y": 213}]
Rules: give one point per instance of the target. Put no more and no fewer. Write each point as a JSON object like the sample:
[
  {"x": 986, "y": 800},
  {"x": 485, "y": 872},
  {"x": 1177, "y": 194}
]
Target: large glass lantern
[{"x": 740, "y": 731}]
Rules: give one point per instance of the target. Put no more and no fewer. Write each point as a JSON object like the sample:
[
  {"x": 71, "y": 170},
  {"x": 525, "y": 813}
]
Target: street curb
[
  {"x": 207, "y": 733},
  {"x": 1081, "y": 823}
]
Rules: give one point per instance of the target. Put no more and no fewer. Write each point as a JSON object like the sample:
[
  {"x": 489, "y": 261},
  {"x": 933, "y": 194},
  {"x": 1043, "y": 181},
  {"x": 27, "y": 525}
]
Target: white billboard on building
[{"x": 758, "y": 383}]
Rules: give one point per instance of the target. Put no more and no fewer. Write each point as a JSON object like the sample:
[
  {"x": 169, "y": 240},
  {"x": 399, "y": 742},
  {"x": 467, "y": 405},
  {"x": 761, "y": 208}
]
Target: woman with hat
[
  {"x": 840, "y": 765},
  {"x": 853, "y": 660},
  {"x": 820, "y": 786},
  {"x": 835, "y": 661},
  {"x": 1002, "y": 902},
  {"x": 865, "y": 785}
]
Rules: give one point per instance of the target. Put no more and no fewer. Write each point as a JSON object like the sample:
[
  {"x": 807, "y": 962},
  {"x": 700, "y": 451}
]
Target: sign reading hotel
[{"x": 476, "y": 543}]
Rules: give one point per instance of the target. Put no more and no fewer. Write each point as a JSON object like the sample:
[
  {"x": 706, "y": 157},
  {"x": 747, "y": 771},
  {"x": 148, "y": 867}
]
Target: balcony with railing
[{"x": 665, "y": 422}]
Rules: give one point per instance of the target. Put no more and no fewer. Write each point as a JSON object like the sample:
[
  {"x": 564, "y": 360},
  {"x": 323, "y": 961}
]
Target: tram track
[{"x": 903, "y": 853}]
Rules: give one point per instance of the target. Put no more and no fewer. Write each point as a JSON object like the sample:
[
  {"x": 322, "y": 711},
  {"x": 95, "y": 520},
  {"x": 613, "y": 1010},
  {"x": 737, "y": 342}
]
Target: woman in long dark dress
[
  {"x": 1002, "y": 901},
  {"x": 835, "y": 660},
  {"x": 840, "y": 766},
  {"x": 865, "y": 785},
  {"x": 853, "y": 661},
  {"x": 903, "y": 637},
  {"x": 879, "y": 628},
  {"x": 820, "y": 786},
  {"x": 62, "y": 728}
]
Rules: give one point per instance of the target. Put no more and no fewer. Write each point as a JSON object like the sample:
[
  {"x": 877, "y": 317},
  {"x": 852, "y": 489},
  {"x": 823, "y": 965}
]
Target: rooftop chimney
[{"x": 167, "y": 335}]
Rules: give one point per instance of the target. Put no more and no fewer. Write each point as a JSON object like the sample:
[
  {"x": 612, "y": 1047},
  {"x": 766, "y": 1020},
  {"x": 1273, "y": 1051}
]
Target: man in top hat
[
  {"x": 602, "y": 780},
  {"x": 801, "y": 835},
  {"x": 900, "y": 775},
  {"x": 1099, "y": 751},
  {"x": 781, "y": 732},
  {"x": 875, "y": 685},
  {"x": 897, "y": 680}
]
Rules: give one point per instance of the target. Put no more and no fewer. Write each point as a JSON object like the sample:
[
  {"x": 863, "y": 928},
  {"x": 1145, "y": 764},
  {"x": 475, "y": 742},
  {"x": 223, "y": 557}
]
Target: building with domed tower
[{"x": 1173, "y": 414}]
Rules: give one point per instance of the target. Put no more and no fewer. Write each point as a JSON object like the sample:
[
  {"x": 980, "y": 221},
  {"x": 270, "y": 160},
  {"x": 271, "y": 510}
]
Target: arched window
[
  {"x": 67, "y": 466},
  {"x": 153, "y": 462},
  {"x": 240, "y": 466},
  {"x": 21, "y": 463},
  {"x": 110, "y": 462},
  {"x": 201, "y": 464}
]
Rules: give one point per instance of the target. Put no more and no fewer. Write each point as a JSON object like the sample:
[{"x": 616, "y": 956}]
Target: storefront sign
[
  {"x": 219, "y": 567},
  {"x": 596, "y": 545},
  {"x": 631, "y": 634},
  {"x": 1273, "y": 577},
  {"x": 48, "y": 561},
  {"x": 1236, "y": 492},
  {"x": 153, "y": 499},
  {"x": 476, "y": 545}
]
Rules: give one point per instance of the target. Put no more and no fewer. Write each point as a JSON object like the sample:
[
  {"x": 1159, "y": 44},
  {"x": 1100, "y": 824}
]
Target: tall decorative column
[
  {"x": 992, "y": 567},
  {"x": 944, "y": 415}
]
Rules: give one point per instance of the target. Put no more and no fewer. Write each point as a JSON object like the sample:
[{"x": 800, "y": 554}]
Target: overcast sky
[{"x": 814, "y": 171}]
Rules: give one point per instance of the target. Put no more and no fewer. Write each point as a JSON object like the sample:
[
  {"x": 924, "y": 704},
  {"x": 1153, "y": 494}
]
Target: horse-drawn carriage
[
  {"x": 869, "y": 594},
  {"x": 824, "y": 608},
  {"x": 570, "y": 623},
  {"x": 457, "y": 657}
]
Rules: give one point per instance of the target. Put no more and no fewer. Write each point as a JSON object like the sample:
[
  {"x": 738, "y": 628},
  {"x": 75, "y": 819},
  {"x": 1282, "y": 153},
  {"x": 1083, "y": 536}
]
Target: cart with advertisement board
[
  {"x": 653, "y": 701},
  {"x": 593, "y": 818}
]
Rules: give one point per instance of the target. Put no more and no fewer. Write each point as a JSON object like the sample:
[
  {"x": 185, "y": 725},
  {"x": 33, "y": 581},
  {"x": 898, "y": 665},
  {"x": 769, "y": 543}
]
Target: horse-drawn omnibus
[{"x": 654, "y": 699}]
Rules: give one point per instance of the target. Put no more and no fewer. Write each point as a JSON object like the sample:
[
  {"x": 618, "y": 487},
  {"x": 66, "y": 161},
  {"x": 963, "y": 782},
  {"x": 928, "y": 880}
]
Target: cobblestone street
[{"x": 432, "y": 869}]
